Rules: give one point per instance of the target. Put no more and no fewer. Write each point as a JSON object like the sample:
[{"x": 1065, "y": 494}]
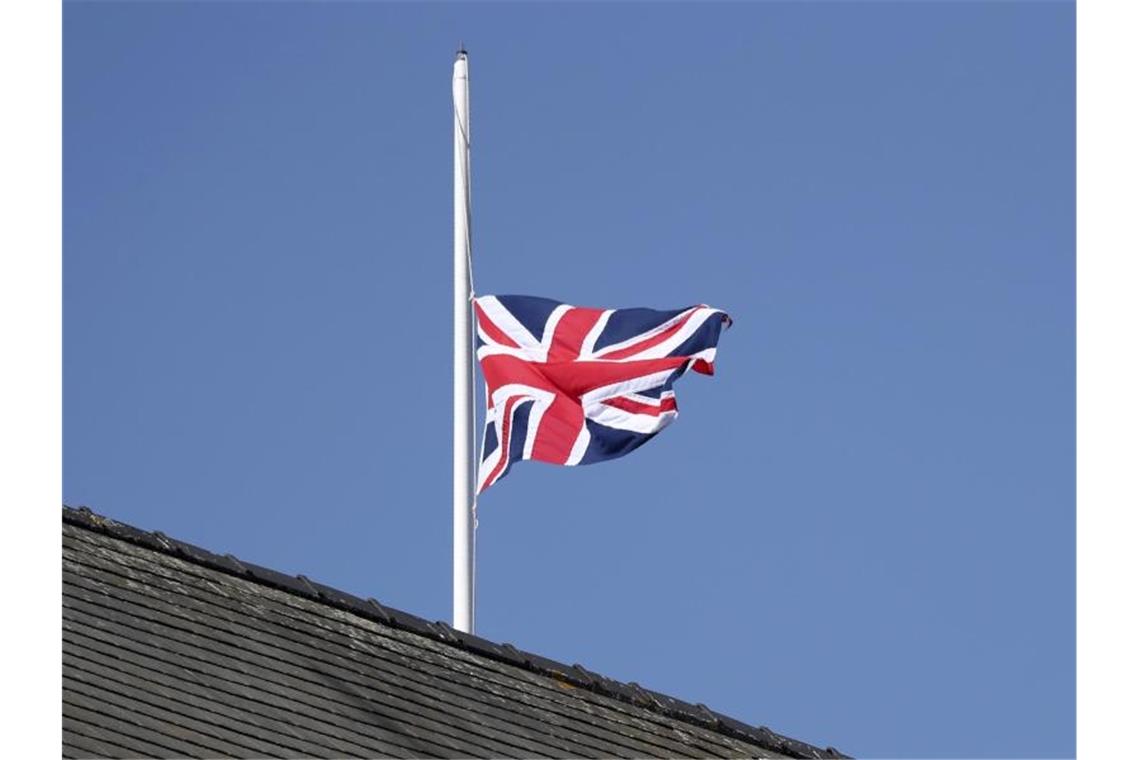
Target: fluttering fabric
[{"x": 570, "y": 385}]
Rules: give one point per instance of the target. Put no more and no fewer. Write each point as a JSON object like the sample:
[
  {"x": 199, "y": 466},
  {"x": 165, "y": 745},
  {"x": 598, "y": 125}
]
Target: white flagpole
[{"x": 463, "y": 495}]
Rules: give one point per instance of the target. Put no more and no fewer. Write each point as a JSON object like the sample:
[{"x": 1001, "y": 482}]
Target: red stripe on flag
[
  {"x": 649, "y": 342},
  {"x": 626, "y": 404},
  {"x": 572, "y": 328},
  {"x": 558, "y": 430},
  {"x": 579, "y": 378},
  {"x": 504, "y": 441},
  {"x": 503, "y": 369},
  {"x": 491, "y": 329}
]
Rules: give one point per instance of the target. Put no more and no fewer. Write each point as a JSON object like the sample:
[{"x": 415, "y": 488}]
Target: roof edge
[{"x": 370, "y": 609}]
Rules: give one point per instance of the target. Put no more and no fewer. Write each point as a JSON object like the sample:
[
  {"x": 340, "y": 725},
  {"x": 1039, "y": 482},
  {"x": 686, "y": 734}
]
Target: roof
[{"x": 171, "y": 650}]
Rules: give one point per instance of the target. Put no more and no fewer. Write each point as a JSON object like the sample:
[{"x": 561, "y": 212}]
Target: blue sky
[{"x": 859, "y": 533}]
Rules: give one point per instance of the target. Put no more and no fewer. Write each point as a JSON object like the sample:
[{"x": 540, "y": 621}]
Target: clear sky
[{"x": 860, "y": 532}]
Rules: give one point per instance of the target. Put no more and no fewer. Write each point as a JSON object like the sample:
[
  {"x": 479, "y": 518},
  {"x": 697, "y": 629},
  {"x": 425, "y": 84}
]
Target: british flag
[{"x": 571, "y": 385}]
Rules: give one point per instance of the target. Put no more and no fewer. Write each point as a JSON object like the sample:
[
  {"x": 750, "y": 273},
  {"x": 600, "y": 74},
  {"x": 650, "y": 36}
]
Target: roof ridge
[{"x": 575, "y": 675}]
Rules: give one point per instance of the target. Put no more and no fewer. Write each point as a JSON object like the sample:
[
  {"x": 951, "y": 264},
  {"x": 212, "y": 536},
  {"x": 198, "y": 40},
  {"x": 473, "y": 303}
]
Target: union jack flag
[{"x": 571, "y": 385}]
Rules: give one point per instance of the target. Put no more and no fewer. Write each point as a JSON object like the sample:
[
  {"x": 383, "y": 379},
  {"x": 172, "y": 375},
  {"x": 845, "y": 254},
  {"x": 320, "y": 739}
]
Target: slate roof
[{"x": 170, "y": 650}]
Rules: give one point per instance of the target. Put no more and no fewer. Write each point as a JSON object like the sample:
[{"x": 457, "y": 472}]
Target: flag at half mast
[{"x": 571, "y": 385}]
